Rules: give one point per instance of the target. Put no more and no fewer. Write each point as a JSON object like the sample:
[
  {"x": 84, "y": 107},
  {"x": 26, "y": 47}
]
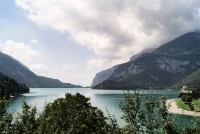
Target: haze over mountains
[
  {"x": 164, "y": 66},
  {"x": 16, "y": 70}
]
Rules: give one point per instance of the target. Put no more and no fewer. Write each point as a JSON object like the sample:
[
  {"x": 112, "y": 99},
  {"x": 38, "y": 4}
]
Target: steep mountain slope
[
  {"x": 103, "y": 75},
  {"x": 165, "y": 66},
  {"x": 14, "y": 69}
]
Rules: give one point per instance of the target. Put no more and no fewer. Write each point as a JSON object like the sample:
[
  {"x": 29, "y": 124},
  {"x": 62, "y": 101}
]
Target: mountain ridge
[
  {"x": 165, "y": 66},
  {"x": 14, "y": 69}
]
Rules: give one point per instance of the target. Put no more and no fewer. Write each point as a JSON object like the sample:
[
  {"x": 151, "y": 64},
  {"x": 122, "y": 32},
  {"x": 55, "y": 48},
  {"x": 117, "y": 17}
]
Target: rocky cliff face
[
  {"x": 171, "y": 65},
  {"x": 165, "y": 66},
  {"x": 103, "y": 75}
]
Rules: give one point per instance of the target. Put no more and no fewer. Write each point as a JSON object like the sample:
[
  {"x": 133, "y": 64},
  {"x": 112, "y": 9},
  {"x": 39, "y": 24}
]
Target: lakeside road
[{"x": 174, "y": 109}]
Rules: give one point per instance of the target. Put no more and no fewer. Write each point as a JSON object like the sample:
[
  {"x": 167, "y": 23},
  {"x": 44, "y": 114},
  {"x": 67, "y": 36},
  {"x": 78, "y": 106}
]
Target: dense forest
[{"x": 9, "y": 85}]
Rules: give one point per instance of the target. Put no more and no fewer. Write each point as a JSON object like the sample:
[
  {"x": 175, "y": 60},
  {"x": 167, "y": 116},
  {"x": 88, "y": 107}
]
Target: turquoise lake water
[{"x": 99, "y": 98}]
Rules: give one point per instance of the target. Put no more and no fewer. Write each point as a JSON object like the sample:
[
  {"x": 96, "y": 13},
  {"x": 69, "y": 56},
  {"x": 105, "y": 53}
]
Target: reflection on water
[{"x": 99, "y": 98}]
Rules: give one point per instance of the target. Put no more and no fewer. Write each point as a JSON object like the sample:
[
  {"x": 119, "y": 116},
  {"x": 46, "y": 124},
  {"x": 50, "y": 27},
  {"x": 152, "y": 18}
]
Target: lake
[{"x": 99, "y": 98}]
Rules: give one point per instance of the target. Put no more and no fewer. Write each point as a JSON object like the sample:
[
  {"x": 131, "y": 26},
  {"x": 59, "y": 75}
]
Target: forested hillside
[
  {"x": 9, "y": 85},
  {"x": 191, "y": 82}
]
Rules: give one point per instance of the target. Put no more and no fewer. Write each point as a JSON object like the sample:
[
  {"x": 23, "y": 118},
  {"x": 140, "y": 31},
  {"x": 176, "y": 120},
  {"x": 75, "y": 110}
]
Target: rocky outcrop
[{"x": 171, "y": 65}]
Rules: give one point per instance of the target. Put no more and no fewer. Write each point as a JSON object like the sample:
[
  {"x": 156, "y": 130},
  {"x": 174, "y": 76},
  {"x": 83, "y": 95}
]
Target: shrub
[{"x": 186, "y": 98}]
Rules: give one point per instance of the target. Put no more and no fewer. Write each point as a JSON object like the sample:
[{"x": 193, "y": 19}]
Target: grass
[
  {"x": 196, "y": 104},
  {"x": 181, "y": 104}
]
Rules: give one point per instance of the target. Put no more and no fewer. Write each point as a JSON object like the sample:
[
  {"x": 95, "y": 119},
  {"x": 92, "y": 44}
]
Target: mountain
[
  {"x": 165, "y": 66},
  {"x": 105, "y": 74},
  {"x": 14, "y": 69}
]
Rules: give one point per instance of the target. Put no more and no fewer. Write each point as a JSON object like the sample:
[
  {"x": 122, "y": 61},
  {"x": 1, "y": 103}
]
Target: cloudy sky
[{"x": 72, "y": 40}]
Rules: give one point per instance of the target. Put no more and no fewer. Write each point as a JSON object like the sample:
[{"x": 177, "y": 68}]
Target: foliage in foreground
[
  {"x": 70, "y": 115},
  {"x": 153, "y": 118},
  {"x": 75, "y": 115}
]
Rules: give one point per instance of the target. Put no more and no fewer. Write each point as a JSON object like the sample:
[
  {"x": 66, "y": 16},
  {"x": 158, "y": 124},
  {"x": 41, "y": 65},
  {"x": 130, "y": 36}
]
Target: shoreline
[{"x": 175, "y": 110}]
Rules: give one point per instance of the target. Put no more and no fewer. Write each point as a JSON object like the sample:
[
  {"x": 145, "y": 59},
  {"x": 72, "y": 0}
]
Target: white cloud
[
  {"x": 94, "y": 63},
  {"x": 67, "y": 67},
  {"x": 40, "y": 69},
  {"x": 116, "y": 29},
  {"x": 20, "y": 51},
  {"x": 34, "y": 41}
]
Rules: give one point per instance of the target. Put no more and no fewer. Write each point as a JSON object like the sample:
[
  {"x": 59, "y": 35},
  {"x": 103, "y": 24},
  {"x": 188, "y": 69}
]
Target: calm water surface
[{"x": 99, "y": 98}]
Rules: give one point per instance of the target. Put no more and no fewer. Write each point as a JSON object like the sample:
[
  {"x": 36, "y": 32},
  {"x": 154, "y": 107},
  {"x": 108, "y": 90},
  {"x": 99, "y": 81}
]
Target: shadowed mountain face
[
  {"x": 165, "y": 66},
  {"x": 14, "y": 69}
]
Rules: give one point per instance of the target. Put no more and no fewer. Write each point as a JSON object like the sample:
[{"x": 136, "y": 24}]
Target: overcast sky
[{"x": 72, "y": 40}]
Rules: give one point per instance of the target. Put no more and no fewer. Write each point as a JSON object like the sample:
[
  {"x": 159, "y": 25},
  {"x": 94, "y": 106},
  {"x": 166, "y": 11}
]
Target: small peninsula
[
  {"x": 187, "y": 103},
  {"x": 173, "y": 108}
]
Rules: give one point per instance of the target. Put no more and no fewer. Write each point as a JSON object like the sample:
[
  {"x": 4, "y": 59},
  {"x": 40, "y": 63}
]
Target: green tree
[
  {"x": 72, "y": 114},
  {"x": 149, "y": 117},
  {"x": 26, "y": 121},
  {"x": 6, "y": 118},
  {"x": 166, "y": 122},
  {"x": 186, "y": 98},
  {"x": 133, "y": 115}
]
